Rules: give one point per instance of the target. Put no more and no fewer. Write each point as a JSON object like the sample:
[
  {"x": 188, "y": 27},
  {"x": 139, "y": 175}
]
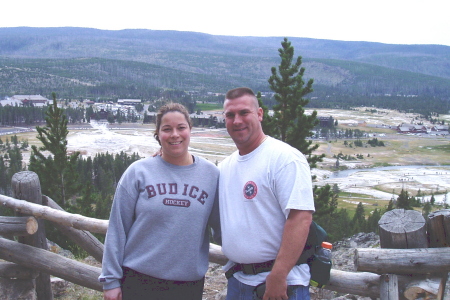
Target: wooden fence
[{"x": 403, "y": 268}]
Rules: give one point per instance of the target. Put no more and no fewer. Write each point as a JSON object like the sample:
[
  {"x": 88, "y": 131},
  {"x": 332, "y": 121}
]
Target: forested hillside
[{"x": 90, "y": 63}]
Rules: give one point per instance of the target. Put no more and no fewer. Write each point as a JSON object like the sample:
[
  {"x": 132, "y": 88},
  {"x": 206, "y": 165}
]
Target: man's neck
[{"x": 256, "y": 144}]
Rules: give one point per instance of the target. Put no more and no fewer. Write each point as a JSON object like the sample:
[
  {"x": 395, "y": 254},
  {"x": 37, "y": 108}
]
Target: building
[
  {"x": 326, "y": 121},
  {"x": 411, "y": 128},
  {"x": 129, "y": 101},
  {"x": 28, "y": 100},
  {"x": 439, "y": 128}
]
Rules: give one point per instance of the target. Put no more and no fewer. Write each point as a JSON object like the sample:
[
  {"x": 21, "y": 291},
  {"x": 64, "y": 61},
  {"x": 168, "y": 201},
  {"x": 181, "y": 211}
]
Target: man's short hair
[{"x": 239, "y": 92}]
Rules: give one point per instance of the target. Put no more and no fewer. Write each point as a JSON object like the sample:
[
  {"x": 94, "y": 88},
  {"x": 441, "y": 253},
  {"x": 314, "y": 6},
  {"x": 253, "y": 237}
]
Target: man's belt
[{"x": 250, "y": 269}]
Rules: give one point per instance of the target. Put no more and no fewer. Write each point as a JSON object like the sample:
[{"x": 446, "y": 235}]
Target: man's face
[{"x": 243, "y": 121}]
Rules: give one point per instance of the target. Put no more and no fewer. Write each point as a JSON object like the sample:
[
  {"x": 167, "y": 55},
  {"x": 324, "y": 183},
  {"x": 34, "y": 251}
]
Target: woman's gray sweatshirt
[{"x": 159, "y": 221}]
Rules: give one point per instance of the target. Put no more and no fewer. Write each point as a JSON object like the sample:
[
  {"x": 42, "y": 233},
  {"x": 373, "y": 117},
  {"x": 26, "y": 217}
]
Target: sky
[{"x": 384, "y": 21}]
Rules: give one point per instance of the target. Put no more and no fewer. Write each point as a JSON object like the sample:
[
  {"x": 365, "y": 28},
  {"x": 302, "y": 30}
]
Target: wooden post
[
  {"x": 444, "y": 289},
  {"x": 26, "y": 186},
  {"x": 400, "y": 229},
  {"x": 388, "y": 287},
  {"x": 439, "y": 228},
  {"x": 403, "y": 229}
]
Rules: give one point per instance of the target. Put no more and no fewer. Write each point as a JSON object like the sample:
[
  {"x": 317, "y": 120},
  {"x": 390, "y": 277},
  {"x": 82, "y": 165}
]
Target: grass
[
  {"x": 443, "y": 148},
  {"x": 209, "y": 106},
  {"x": 350, "y": 201},
  {"x": 398, "y": 150}
]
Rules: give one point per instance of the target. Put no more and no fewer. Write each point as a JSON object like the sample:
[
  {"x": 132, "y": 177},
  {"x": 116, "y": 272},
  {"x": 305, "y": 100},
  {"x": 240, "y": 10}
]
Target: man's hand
[
  {"x": 113, "y": 294},
  {"x": 276, "y": 287}
]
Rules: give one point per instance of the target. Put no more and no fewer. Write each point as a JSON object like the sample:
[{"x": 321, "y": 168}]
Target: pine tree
[
  {"x": 3, "y": 177},
  {"x": 267, "y": 123},
  {"x": 359, "y": 219},
  {"x": 426, "y": 209},
  {"x": 432, "y": 200},
  {"x": 323, "y": 202},
  {"x": 15, "y": 160},
  {"x": 338, "y": 221},
  {"x": 403, "y": 200},
  {"x": 56, "y": 171},
  {"x": 372, "y": 221},
  {"x": 289, "y": 122},
  {"x": 390, "y": 205},
  {"x": 444, "y": 201}
]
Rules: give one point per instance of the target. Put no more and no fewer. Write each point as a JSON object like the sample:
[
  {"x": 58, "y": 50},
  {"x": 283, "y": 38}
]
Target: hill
[{"x": 85, "y": 62}]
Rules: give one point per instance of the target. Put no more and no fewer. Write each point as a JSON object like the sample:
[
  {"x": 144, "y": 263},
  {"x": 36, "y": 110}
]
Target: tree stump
[
  {"x": 403, "y": 229},
  {"x": 26, "y": 186},
  {"x": 439, "y": 228}
]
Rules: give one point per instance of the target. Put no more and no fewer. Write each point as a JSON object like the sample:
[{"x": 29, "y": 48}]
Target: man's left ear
[{"x": 260, "y": 114}]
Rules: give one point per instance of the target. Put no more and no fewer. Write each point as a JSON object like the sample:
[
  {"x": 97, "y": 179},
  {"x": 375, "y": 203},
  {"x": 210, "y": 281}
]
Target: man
[{"x": 266, "y": 206}]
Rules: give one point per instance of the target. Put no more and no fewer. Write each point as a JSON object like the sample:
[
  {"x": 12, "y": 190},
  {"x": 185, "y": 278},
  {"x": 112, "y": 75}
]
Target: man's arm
[{"x": 293, "y": 241}]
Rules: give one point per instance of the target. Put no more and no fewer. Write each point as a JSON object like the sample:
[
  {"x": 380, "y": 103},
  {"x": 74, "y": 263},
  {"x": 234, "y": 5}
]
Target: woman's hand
[{"x": 113, "y": 294}]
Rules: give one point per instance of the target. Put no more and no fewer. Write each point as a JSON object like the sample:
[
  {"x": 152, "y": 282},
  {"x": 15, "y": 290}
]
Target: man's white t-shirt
[{"x": 257, "y": 192}]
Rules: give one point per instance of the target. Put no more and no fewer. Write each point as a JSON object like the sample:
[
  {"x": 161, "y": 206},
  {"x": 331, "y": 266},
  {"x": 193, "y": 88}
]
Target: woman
[{"x": 157, "y": 242}]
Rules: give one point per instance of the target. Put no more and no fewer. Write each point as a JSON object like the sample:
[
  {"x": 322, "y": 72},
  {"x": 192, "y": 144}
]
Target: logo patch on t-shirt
[
  {"x": 250, "y": 190},
  {"x": 176, "y": 202}
]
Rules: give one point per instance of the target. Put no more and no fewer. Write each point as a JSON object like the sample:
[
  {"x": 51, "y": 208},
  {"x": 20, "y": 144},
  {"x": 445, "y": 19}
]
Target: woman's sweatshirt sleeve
[
  {"x": 120, "y": 221},
  {"x": 214, "y": 221}
]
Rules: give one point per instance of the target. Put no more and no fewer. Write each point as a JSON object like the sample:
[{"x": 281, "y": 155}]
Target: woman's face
[{"x": 174, "y": 136}]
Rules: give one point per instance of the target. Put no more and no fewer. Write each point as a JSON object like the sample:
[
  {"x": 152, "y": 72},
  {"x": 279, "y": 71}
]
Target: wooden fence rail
[
  {"x": 403, "y": 261},
  {"x": 61, "y": 217},
  {"x": 51, "y": 263},
  {"x": 375, "y": 267}
]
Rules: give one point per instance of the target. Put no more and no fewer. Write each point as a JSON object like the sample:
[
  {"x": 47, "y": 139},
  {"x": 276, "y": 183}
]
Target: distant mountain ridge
[
  {"x": 68, "y": 42},
  {"x": 198, "y": 61}
]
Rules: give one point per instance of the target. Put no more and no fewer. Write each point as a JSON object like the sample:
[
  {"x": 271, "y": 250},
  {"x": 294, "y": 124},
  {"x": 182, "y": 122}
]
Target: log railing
[{"x": 381, "y": 273}]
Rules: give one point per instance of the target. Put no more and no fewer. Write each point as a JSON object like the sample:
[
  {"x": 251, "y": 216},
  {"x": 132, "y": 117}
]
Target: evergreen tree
[
  {"x": 432, "y": 200},
  {"x": 390, "y": 205},
  {"x": 336, "y": 189},
  {"x": 324, "y": 203},
  {"x": 3, "y": 177},
  {"x": 267, "y": 123},
  {"x": 290, "y": 123},
  {"x": 15, "y": 160},
  {"x": 444, "y": 201},
  {"x": 372, "y": 221},
  {"x": 359, "y": 219},
  {"x": 335, "y": 223},
  {"x": 89, "y": 113},
  {"x": 56, "y": 171},
  {"x": 403, "y": 200},
  {"x": 426, "y": 209}
]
